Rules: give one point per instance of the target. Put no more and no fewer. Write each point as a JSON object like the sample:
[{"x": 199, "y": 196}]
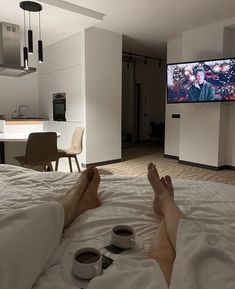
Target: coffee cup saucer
[{"x": 138, "y": 245}]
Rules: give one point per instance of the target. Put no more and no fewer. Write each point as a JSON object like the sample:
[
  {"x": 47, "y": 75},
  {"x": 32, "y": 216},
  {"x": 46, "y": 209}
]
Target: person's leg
[
  {"x": 162, "y": 249},
  {"x": 29, "y": 237},
  {"x": 164, "y": 204}
]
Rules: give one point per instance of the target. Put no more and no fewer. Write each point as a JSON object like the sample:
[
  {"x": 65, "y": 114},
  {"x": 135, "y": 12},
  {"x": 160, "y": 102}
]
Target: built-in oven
[{"x": 59, "y": 106}]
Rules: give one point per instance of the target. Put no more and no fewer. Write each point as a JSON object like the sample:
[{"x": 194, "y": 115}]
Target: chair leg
[
  {"x": 56, "y": 165},
  {"x": 51, "y": 167},
  {"x": 77, "y": 163},
  {"x": 70, "y": 165},
  {"x": 47, "y": 168}
]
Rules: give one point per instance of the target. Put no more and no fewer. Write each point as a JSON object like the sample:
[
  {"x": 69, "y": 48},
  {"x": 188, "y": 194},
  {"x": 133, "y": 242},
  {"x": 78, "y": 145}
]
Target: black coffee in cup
[
  {"x": 123, "y": 232},
  {"x": 87, "y": 257}
]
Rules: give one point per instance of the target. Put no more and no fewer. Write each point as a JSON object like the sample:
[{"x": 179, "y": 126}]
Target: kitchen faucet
[{"x": 20, "y": 107}]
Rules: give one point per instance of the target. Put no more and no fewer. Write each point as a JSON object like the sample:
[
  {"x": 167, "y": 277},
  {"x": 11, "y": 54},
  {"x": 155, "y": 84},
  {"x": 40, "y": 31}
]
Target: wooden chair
[
  {"x": 41, "y": 150},
  {"x": 76, "y": 148}
]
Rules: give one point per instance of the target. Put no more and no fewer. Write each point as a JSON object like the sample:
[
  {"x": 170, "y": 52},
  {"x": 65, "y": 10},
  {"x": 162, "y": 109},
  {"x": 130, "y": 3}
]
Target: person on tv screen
[{"x": 201, "y": 90}]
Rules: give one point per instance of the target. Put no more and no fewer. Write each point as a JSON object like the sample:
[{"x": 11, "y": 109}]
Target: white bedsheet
[{"x": 125, "y": 200}]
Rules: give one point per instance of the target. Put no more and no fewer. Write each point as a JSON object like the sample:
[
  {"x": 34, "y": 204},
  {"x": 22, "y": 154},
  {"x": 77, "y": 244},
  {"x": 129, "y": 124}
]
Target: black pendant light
[
  {"x": 25, "y": 49},
  {"x": 30, "y": 36},
  {"x": 31, "y": 7},
  {"x": 40, "y": 47}
]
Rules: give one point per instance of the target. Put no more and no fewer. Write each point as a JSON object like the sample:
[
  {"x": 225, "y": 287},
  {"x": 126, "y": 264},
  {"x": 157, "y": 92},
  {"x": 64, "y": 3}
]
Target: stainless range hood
[{"x": 10, "y": 64}]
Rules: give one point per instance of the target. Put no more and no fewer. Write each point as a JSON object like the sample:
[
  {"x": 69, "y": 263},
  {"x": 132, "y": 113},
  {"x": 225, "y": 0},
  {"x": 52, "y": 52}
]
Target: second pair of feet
[{"x": 162, "y": 187}]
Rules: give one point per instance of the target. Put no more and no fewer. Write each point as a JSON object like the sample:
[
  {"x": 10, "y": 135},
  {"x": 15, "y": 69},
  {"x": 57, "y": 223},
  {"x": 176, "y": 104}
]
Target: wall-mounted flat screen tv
[{"x": 201, "y": 81}]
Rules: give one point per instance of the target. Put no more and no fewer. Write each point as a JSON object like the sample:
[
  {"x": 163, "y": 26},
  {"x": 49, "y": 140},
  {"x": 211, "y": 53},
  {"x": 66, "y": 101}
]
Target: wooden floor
[{"x": 135, "y": 160}]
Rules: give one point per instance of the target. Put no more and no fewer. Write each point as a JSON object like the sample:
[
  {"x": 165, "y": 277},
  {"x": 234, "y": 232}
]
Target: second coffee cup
[{"x": 123, "y": 236}]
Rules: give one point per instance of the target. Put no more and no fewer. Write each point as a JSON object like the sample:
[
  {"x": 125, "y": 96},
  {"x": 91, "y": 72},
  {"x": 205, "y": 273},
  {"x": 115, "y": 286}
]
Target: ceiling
[
  {"x": 145, "y": 24},
  {"x": 57, "y": 23},
  {"x": 148, "y": 24}
]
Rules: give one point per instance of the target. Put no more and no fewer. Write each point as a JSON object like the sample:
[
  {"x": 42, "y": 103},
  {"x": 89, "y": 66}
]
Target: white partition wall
[
  {"x": 87, "y": 67},
  {"x": 206, "y": 130},
  {"x": 103, "y": 74},
  {"x": 172, "y": 125}
]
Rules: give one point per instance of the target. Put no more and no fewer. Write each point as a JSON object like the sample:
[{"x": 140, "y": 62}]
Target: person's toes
[
  {"x": 90, "y": 173},
  {"x": 155, "y": 171},
  {"x": 96, "y": 177},
  {"x": 86, "y": 171},
  {"x": 168, "y": 179},
  {"x": 90, "y": 198},
  {"x": 82, "y": 183},
  {"x": 94, "y": 183},
  {"x": 169, "y": 184},
  {"x": 84, "y": 176},
  {"x": 163, "y": 181},
  {"x": 150, "y": 165}
]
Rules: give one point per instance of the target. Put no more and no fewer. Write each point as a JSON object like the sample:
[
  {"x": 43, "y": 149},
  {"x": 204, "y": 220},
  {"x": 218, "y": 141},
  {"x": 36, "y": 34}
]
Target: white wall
[
  {"x": 224, "y": 134},
  {"x": 203, "y": 43},
  {"x": 172, "y": 125},
  {"x": 16, "y": 91},
  {"x": 230, "y": 149},
  {"x": 206, "y": 130},
  {"x": 229, "y": 108},
  {"x": 103, "y": 75},
  {"x": 229, "y": 41},
  {"x": 199, "y": 133},
  {"x": 200, "y": 123},
  {"x": 233, "y": 41},
  {"x": 87, "y": 66}
]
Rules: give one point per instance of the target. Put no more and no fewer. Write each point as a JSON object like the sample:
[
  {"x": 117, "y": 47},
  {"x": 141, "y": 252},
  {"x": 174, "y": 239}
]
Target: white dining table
[{"x": 13, "y": 137}]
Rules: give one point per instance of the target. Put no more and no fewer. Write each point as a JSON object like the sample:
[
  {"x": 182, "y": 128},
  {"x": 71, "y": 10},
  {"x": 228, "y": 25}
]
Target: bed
[{"x": 126, "y": 200}]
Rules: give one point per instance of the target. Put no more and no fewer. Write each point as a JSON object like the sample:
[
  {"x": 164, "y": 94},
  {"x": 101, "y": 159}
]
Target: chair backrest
[
  {"x": 41, "y": 148},
  {"x": 76, "y": 144},
  {"x": 2, "y": 125}
]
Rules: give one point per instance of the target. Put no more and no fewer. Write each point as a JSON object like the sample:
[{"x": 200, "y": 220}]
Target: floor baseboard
[{"x": 101, "y": 163}]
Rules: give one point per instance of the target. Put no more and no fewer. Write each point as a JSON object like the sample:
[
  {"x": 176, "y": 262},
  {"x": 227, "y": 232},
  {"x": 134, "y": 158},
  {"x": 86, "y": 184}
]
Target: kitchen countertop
[
  {"x": 17, "y": 137},
  {"x": 28, "y": 120}
]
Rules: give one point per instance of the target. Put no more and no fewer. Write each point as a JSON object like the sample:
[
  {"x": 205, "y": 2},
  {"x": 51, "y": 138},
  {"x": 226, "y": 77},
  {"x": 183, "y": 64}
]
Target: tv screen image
[{"x": 201, "y": 81}]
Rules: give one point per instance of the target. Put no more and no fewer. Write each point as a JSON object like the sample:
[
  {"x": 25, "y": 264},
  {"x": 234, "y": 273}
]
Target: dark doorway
[{"x": 137, "y": 95}]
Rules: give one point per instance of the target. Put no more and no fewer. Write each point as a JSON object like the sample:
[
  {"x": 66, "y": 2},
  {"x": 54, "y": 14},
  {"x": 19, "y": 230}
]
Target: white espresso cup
[
  {"x": 87, "y": 263},
  {"x": 123, "y": 236}
]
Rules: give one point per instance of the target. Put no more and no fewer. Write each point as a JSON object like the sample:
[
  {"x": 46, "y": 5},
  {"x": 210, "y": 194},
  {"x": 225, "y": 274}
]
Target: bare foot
[
  {"x": 83, "y": 180},
  {"x": 90, "y": 199},
  {"x": 167, "y": 182},
  {"x": 71, "y": 199},
  {"x": 159, "y": 188}
]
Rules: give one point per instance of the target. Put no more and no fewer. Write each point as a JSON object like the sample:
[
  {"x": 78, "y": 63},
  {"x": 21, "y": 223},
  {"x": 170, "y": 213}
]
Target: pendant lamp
[{"x": 31, "y": 7}]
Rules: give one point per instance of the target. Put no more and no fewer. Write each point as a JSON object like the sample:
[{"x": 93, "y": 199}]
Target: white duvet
[{"x": 206, "y": 239}]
